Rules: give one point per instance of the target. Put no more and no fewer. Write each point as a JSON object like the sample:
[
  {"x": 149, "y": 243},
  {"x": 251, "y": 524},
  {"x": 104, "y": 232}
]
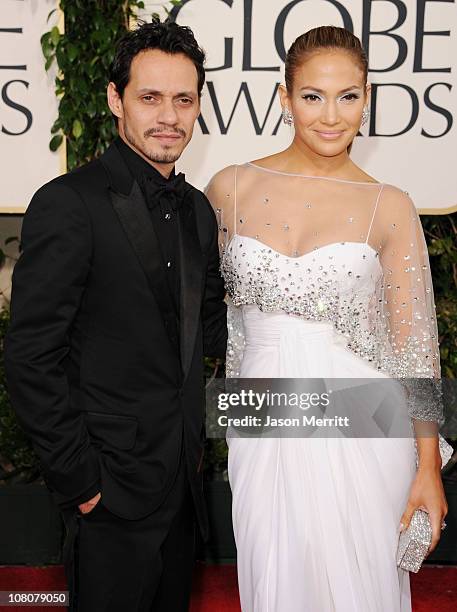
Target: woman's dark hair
[
  {"x": 318, "y": 39},
  {"x": 165, "y": 36}
]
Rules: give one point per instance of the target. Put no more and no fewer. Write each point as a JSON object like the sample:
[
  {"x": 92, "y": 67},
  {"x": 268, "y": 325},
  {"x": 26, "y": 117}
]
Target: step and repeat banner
[
  {"x": 28, "y": 105},
  {"x": 412, "y": 46},
  {"x": 410, "y": 140}
]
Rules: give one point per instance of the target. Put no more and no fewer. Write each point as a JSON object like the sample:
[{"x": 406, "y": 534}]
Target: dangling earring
[
  {"x": 365, "y": 115},
  {"x": 287, "y": 116}
]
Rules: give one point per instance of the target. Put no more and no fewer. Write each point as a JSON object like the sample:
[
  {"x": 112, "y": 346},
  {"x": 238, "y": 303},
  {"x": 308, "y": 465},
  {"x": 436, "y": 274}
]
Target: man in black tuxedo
[{"x": 116, "y": 298}]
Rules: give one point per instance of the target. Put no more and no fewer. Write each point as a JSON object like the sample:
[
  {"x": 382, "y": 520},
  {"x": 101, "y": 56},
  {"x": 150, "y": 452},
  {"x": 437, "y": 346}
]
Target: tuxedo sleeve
[
  {"x": 48, "y": 287},
  {"x": 214, "y": 310}
]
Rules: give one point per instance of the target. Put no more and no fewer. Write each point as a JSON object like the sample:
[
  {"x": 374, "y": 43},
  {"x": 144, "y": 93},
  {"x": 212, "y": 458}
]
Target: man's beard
[{"x": 158, "y": 158}]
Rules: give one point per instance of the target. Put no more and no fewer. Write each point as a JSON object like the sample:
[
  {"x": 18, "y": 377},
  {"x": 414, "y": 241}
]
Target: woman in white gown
[{"x": 327, "y": 275}]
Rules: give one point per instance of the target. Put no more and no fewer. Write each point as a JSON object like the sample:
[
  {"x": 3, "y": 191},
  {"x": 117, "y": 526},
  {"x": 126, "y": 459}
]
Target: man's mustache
[{"x": 153, "y": 131}]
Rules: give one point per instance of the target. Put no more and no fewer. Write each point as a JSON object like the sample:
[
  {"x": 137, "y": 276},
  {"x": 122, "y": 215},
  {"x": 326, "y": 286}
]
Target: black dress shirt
[{"x": 162, "y": 204}]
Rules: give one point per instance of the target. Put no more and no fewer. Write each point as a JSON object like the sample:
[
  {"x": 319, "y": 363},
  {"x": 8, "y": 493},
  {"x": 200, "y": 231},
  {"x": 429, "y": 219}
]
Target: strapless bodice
[{"x": 335, "y": 283}]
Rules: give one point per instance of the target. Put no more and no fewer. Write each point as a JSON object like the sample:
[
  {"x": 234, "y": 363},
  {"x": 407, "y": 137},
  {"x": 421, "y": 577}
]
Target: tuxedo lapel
[
  {"x": 190, "y": 259},
  {"x": 130, "y": 206},
  {"x": 135, "y": 219}
]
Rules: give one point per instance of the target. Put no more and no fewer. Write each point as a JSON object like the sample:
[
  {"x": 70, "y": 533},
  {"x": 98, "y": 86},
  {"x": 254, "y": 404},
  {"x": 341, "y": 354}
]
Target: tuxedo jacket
[{"x": 106, "y": 380}]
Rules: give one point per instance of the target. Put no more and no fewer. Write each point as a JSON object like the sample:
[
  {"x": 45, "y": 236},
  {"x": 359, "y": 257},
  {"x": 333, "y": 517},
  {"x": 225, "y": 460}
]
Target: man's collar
[{"x": 138, "y": 166}]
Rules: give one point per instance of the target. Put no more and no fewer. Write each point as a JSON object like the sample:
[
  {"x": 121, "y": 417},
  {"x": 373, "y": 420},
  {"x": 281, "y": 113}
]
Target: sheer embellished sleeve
[
  {"x": 406, "y": 306},
  {"x": 221, "y": 192}
]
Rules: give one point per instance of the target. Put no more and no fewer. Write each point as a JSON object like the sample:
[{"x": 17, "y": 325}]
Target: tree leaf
[
  {"x": 45, "y": 37},
  {"x": 71, "y": 160},
  {"x": 77, "y": 129},
  {"x": 91, "y": 109},
  {"x": 48, "y": 63},
  {"x": 46, "y": 46},
  {"x": 50, "y": 15},
  {"x": 72, "y": 52},
  {"x": 56, "y": 141},
  {"x": 55, "y": 36}
]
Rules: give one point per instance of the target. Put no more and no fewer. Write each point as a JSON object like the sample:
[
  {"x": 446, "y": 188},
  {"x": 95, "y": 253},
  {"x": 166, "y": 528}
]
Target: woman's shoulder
[
  {"x": 270, "y": 162},
  {"x": 395, "y": 207},
  {"x": 226, "y": 180},
  {"x": 223, "y": 177},
  {"x": 364, "y": 177},
  {"x": 396, "y": 195},
  {"x": 266, "y": 161},
  {"x": 356, "y": 174}
]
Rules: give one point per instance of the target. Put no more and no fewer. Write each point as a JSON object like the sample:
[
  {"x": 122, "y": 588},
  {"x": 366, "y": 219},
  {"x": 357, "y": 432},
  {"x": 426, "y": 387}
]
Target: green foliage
[
  {"x": 18, "y": 460},
  {"x": 441, "y": 235},
  {"x": 84, "y": 53},
  {"x": 215, "y": 459}
]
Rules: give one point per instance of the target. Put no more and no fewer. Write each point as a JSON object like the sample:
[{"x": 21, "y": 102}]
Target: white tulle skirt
[{"x": 315, "y": 520}]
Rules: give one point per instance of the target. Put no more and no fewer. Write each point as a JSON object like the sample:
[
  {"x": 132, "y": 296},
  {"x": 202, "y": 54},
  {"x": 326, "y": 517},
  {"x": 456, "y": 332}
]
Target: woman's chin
[
  {"x": 327, "y": 147},
  {"x": 330, "y": 149}
]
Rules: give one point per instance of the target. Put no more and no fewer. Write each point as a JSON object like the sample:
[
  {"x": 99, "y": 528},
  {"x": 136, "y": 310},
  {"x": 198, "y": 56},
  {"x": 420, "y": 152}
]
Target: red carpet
[{"x": 433, "y": 588}]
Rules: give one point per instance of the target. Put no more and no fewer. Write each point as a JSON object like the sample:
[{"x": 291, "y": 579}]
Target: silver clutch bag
[{"x": 414, "y": 542}]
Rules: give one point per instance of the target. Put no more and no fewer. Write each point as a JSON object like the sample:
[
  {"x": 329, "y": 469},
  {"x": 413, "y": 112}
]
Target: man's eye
[
  {"x": 186, "y": 100},
  {"x": 148, "y": 98}
]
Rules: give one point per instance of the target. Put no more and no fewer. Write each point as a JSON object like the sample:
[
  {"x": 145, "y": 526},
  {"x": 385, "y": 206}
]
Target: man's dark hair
[{"x": 165, "y": 36}]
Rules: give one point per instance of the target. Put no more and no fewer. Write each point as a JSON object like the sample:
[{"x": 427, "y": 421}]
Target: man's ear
[{"x": 115, "y": 101}]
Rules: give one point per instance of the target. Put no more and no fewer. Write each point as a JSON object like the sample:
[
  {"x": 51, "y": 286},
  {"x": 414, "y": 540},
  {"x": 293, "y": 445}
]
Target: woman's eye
[
  {"x": 311, "y": 98},
  {"x": 351, "y": 96}
]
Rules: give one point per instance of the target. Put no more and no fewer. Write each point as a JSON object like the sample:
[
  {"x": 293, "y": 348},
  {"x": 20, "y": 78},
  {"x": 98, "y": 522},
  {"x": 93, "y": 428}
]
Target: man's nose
[{"x": 167, "y": 113}]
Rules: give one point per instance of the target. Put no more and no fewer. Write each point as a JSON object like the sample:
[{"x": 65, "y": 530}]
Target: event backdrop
[
  {"x": 412, "y": 46},
  {"x": 28, "y": 105},
  {"x": 410, "y": 140}
]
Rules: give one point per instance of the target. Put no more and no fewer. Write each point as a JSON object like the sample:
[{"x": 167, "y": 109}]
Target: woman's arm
[{"x": 408, "y": 313}]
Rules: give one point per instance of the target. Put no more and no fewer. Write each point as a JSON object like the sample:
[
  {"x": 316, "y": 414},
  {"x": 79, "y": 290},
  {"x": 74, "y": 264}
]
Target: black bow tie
[{"x": 165, "y": 193}]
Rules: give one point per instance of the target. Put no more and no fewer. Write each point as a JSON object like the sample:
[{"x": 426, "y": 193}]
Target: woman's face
[{"x": 327, "y": 101}]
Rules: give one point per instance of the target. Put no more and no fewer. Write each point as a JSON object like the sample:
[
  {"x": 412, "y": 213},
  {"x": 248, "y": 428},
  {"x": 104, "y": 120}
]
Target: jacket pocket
[{"x": 113, "y": 429}]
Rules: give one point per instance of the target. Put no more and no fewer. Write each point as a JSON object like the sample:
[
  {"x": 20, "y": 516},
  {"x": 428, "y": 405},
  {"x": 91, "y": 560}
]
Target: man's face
[{"x": 158, "y": 109}]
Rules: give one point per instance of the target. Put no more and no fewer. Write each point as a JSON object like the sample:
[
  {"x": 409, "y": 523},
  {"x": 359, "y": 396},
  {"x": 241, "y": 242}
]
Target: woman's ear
[
  {"x": 284, "y": 97},
  {"x": 367, "y": 95}
]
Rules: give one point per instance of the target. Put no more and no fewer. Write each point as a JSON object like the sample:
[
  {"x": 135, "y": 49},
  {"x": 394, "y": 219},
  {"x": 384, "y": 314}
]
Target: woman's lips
[{"x": 329, "y": 135}]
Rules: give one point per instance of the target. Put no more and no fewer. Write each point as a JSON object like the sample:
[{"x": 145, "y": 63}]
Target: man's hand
[{"x": 88, "y": 506}]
